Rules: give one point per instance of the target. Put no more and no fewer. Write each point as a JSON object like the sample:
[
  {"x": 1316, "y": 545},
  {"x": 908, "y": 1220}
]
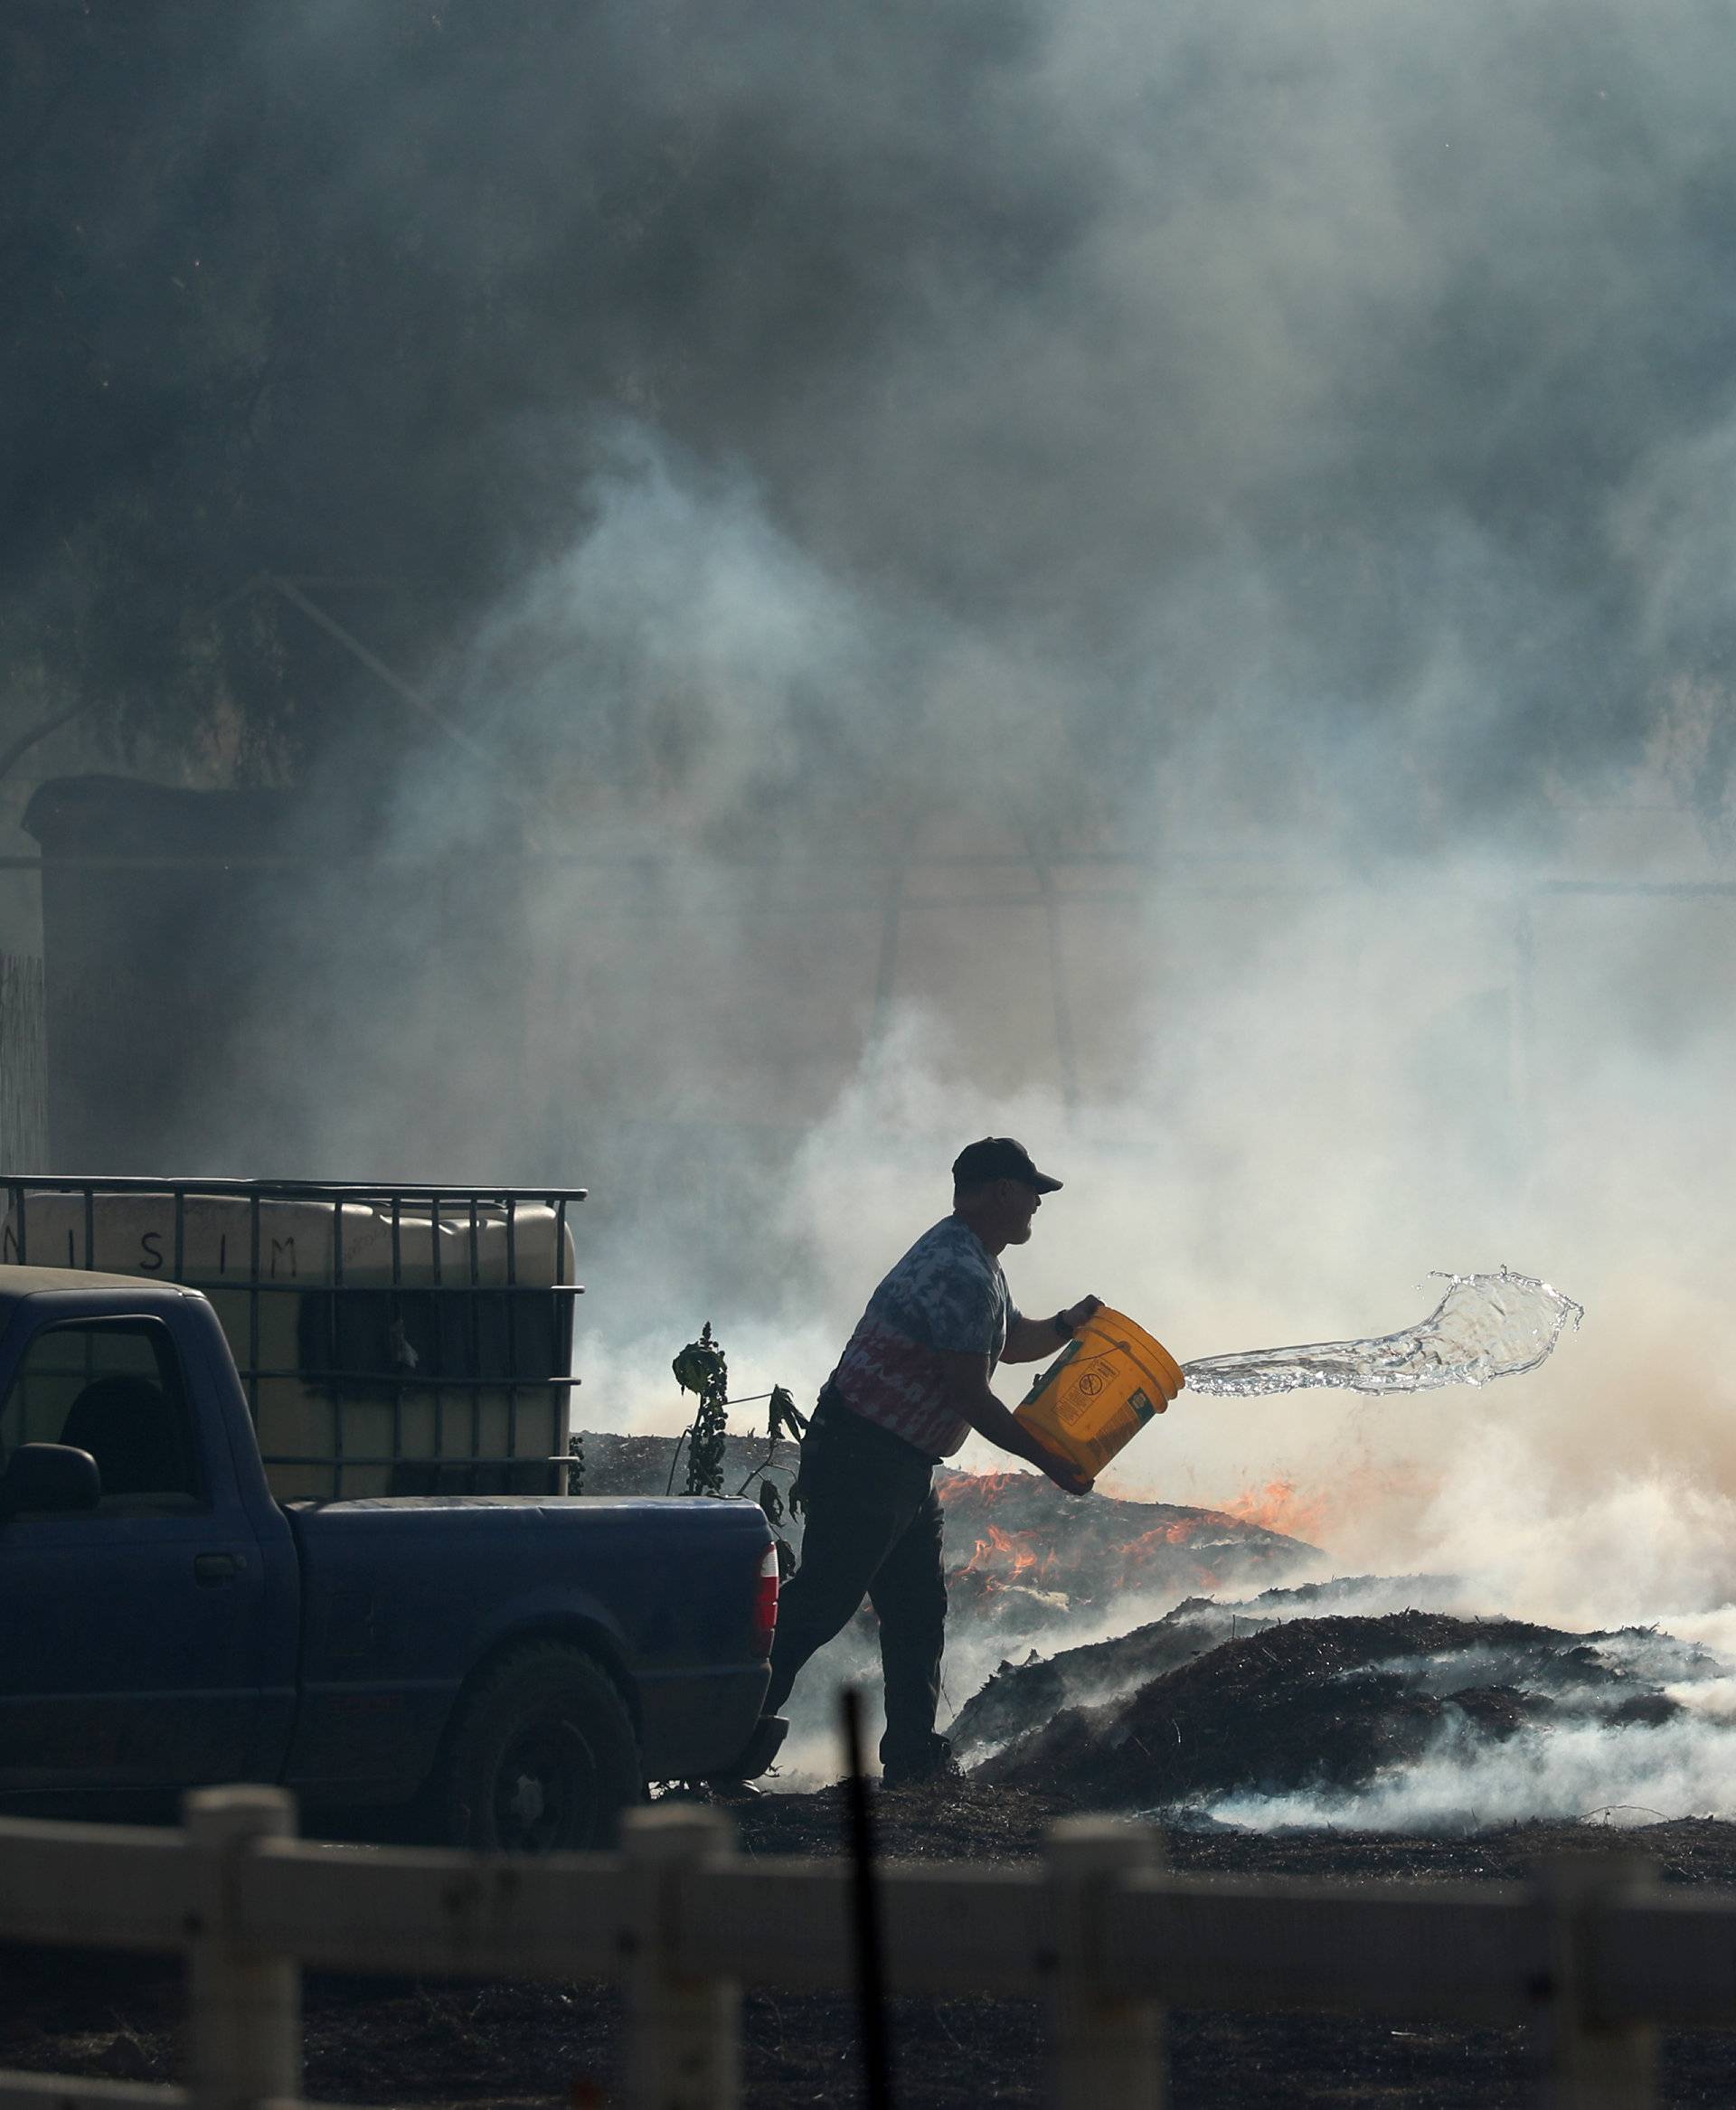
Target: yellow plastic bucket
[{"x": 1100, "y": 1392}]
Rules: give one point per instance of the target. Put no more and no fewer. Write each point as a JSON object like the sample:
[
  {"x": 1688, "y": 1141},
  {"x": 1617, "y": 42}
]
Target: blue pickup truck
[{"x": 514, "y": 1667}]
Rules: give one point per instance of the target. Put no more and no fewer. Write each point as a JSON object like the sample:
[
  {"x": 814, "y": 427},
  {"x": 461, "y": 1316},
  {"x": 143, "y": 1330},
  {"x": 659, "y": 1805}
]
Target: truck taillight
[{"x": 765, "y": 1603}]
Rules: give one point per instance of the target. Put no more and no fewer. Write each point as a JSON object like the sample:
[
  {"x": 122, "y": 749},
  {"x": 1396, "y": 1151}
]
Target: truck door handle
[{"x": 209, "y": 1569}]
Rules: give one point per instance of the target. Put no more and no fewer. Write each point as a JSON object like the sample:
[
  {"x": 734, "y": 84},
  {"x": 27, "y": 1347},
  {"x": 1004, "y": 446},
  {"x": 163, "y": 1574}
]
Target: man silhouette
[{"x": 912, "y": 1384}]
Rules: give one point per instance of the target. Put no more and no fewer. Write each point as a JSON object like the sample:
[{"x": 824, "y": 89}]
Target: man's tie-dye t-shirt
[{"x": 947, "y": 1297}]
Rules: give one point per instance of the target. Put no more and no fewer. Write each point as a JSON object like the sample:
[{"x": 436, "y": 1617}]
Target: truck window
[{"x": 111, "y": 1387}]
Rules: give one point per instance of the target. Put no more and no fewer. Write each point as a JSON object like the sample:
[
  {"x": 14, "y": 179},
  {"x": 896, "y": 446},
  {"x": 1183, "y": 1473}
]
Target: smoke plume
[{"x": 1046, "y": 568}]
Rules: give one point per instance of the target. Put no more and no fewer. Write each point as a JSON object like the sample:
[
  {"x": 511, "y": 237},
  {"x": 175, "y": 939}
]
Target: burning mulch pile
[
  {"x": 1020, "y": 1553},
  {"x": 1307, "y": 1704}
]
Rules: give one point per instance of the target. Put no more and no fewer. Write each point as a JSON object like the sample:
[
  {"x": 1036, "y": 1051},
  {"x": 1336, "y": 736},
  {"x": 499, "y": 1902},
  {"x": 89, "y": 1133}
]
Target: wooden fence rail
[{"x": 1595, "y": 1956}]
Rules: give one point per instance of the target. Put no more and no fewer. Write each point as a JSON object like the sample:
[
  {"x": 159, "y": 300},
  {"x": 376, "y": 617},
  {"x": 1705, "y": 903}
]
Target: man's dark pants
[{"x": 871, "y": 1527}]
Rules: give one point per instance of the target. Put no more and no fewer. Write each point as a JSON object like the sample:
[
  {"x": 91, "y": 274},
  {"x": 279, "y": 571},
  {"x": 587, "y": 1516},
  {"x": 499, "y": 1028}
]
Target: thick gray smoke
[
  {"x": 1320, "y": 399},
  {"x": 1062, "y": 568}
]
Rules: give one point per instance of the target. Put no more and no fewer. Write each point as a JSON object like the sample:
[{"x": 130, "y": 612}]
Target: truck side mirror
[{"x": 48, "y": 1476}]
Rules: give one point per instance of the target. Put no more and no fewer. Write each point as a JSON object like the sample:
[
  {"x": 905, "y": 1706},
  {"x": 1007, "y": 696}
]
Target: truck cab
[{"x": 150, "y": 1630}]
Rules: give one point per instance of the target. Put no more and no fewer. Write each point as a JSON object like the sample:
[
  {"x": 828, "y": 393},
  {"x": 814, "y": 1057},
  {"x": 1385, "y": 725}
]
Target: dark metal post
[
  {"x": 509, "y": 1313},
  {"x": 254, "y": 1306},
  {"x": 865, "y": 1897},
  {"x": 333, "y": 1391},
  {"x": 436, "y": 1337},
  {"x": 475, "y": 1303},
  {"x": 396, "y": 1330}
]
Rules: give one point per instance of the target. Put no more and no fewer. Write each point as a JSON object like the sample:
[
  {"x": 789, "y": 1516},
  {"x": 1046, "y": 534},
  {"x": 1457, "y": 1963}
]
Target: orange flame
[
  {"x": 984, "y": 1487},
  {"x": 1006, "y": 1557},
  {"x": 1278, "y": 1507},
  {"x": 1137, "y": 1556}
]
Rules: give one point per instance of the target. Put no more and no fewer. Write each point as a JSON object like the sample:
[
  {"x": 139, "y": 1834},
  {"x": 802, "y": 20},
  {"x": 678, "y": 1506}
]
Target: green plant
[{"x": 701, "y": 1369}]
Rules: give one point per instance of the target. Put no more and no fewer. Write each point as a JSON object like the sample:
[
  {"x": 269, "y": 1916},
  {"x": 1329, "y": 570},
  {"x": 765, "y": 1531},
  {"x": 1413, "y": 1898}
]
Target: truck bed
[{"x": 403, "y": 1595}]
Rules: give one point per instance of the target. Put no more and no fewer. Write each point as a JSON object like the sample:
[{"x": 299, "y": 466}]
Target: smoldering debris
[
  {"x": 1381, "y": 1703},
  {"x": 1326, "y": 1706},
  {"x": 1098, "y": 1672}
]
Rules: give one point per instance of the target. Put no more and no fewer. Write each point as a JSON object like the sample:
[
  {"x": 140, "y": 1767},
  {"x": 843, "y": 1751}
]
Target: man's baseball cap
[{"x": 998, "y": 1157}]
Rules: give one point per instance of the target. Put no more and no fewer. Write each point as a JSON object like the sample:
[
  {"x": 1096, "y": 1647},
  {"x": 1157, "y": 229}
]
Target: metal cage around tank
[{"x": 391, "y": 1338}]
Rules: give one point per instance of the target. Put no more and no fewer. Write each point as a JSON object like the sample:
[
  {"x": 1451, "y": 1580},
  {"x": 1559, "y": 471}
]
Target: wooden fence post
[
  {"x": 1106, "y": 2052},
  {"x": 1587, "y": 2063},
  {"x": 244, "y": 2011},
  {"x": 682, "y": 2043}
]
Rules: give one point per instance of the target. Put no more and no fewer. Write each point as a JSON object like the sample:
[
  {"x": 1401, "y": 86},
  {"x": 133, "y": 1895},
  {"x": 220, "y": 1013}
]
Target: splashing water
[{"x": 1485, "y": 1326}]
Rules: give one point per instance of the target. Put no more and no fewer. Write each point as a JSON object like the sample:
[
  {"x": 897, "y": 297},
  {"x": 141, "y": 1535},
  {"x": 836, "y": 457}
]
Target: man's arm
[
  {"x": 967, "y": 1379},
  {"x": 1033, "y": 1340}
]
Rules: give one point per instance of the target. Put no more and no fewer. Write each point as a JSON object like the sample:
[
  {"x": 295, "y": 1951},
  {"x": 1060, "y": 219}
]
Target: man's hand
[
  {"x": 1063, "y": 1475},
  {"x": 1036, "y": 1340},
  {"x": 967, "y": 1388},
  {"x": 1075, "y": 1315}
]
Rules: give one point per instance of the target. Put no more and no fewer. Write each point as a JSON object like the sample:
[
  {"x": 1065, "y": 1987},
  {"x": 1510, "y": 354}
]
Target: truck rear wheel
[{"x": 543, "y": 1758}]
